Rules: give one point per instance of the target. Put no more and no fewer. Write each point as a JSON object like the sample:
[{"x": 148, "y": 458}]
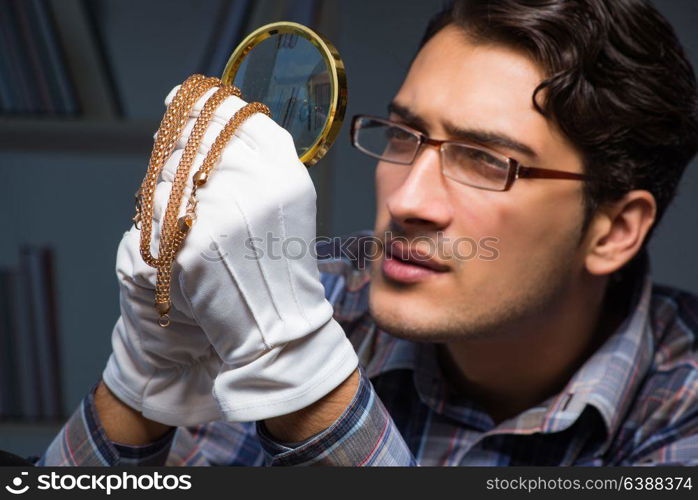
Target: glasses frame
[{"x": 516, "y": 169}]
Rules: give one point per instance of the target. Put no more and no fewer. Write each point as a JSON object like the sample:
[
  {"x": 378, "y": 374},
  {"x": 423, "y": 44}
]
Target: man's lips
[
  {"x": 409, "y": 265},
  {"x": 412, "y": 255}
]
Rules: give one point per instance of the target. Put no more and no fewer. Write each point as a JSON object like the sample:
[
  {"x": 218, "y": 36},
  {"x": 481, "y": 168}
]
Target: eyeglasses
[{"x": 471, "y": 165}]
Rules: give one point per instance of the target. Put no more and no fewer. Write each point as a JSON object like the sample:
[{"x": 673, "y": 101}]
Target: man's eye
[
  {"x": 486, "y": 158},
  {"x": 476, "y": 161},
  {"x": 396, "y": 134}
]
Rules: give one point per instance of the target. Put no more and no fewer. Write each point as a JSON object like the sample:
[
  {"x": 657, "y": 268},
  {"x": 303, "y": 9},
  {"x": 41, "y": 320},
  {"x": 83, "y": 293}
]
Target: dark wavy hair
[{"x": 618, "y": 85}]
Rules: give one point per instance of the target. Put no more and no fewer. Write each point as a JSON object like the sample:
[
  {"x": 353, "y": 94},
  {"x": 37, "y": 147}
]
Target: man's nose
[{"x": 421, "y": 200}]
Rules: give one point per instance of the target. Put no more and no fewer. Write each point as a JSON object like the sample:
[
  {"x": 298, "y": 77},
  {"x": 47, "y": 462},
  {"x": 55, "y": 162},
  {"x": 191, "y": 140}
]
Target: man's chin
[
  {"x": 399, "y": 309},
  {"x": 405, "y": 318},
  {"x": 421, "y": 318}
]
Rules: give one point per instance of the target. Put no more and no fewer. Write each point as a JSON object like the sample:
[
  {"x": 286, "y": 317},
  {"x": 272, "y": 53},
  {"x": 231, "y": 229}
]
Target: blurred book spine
[
  {"x": 10, "y": 404},
  {"x": 34, "y": 79},
  {"x": 31, "y": 388}
]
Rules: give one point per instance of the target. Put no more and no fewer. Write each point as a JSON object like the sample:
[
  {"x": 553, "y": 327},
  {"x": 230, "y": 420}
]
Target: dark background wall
[{"x": 80, "y": 202}]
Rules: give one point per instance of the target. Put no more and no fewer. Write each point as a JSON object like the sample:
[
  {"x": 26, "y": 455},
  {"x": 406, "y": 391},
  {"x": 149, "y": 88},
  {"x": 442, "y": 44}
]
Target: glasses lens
[
  {"x": 475, "y": 167},
  {"x": 384, "y": 140}
]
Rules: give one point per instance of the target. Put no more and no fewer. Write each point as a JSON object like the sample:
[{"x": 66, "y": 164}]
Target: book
[
  {"x": 16, "y": 61},
  {"x": 38, "y": 272},
  {"x": 52, "y": 57},
  {"x": 34, "y": 79},
  {"x": 29, "y": 387},
  {"x": 94, "y": 87},
  {"x": 33, "y": 65},
  {"x": 10, "y": 407}
]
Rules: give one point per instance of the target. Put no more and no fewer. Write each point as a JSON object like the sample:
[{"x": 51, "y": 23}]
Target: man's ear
[{"x": 618, "y": 230}]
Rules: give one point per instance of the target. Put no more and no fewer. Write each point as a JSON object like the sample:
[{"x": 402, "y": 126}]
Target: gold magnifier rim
[{"x": 338, "y": 100}]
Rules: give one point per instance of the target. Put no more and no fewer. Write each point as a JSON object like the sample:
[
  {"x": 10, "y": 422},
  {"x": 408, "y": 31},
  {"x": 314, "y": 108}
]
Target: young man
[{"x": 568, "y": 125}]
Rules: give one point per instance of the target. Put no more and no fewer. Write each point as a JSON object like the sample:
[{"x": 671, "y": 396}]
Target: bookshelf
[
  {"x": 68, "y": 178},
  {"x": 107, "y": 137}
]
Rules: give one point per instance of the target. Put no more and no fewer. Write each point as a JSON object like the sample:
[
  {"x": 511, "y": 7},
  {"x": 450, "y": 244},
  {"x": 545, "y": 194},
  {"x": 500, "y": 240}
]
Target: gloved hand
[
  {"x": 265, "y": 314},
  {"x": 165, "y": 373}
]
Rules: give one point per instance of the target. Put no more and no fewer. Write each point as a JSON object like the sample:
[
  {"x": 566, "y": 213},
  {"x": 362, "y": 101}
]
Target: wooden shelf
[{"x": 128, "y": 137}]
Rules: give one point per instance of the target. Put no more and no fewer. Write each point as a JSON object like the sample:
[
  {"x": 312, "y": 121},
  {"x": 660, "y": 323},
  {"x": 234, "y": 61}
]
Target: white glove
[
  {"x": 165, "y": 373},
  {"x": 266, "y": 317}
]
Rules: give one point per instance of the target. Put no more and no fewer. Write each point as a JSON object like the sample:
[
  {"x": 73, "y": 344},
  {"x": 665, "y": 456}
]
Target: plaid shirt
[{"x": 633, "y": 402}]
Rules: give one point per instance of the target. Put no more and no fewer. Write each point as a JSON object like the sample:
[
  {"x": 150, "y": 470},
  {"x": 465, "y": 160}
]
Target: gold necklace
[{"x": 173, "y": 229}]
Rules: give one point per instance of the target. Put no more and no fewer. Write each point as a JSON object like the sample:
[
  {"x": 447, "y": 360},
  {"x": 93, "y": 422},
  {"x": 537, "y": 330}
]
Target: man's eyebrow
[
  {"x": 408, "y": 116},
  {"x": 482, "y": 137},
  {"x": 490, "y": 139}
]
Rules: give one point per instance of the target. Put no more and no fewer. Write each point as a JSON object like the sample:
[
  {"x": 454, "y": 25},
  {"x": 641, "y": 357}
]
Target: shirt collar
[{"x": 607, "y": 381}]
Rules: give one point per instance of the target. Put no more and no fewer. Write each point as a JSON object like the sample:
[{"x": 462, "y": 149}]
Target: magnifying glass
[{"x": 299, "y": 75}]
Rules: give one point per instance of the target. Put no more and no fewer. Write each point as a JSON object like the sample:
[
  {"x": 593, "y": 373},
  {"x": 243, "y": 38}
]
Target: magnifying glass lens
[
  {"x": 288, "y": 73},
  {"x": 299, "y": 75}
]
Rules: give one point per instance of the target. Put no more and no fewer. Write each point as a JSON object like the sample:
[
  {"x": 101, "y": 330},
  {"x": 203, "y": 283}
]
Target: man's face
[{"x": 525, "y": 240}]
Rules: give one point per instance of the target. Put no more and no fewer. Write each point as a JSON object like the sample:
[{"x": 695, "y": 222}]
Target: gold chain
[
  {"x": 173, "y": 229},
  {"x": 167, "y": 135}
]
